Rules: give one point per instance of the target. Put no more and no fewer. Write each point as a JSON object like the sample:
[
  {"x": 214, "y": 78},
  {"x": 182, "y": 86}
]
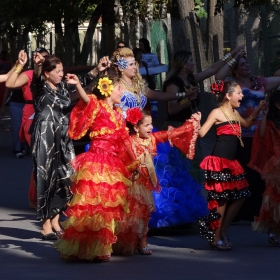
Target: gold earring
[{"x": 137, "y": 134}]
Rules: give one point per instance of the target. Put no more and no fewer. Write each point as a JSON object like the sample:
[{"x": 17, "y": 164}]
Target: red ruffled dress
[
  {"x": 100, "y": 183},
  {"x": 141, "y": 202},
  {"x": 265, "y": 159},
  {"x": 225, "y": 177}
]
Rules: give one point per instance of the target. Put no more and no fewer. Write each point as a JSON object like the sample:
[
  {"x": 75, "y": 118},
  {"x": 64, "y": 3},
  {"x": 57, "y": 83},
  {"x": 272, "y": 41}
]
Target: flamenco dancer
[
  {"x": 100, "y": 181},
  {"x": 225, "y": 178},
  {"x": 133, "y": 235}
]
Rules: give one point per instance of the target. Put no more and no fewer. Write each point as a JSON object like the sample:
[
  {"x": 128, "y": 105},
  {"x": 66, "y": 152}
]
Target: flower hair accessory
[
  {"x": 217, "y": 87},
  {"x": 134, "y": 115},
  {"x": 105, "y": 86},
  {"x": 122, "y": 63}
]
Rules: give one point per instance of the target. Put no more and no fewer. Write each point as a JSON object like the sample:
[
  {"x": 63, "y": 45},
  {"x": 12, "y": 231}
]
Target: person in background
[
  {"x": 225, "y": 178},
  {"x": 265, "y": 160},
  {"x": 147, "y": 56},
  {"x": 121, "y": 44},
  {"x": 23, "y": 80}
]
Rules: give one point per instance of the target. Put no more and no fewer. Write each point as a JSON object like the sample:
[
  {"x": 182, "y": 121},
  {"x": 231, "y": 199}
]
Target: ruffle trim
[
  {"x": 86, "y": 245},
  {"x": 208, "y": 224},
  {"x": 218, "y": 164}
]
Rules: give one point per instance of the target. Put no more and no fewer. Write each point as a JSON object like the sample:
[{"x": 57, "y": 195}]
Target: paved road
[{"x": 178, "y": 253}]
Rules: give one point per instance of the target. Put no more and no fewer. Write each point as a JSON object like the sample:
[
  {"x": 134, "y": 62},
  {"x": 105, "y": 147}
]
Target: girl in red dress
[
  {"x": 134, "y": 229},
  {"x": 225, "y": 178},
  {"x": 265, "y": 160},
  {"x": 100, "y": 182}
]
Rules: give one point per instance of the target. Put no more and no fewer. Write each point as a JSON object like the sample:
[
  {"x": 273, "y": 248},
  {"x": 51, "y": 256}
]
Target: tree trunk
[
  {"x": 108, "y": 27},
  {"x": 88, "y": 40},
  {"x": 59, "y": 44}
]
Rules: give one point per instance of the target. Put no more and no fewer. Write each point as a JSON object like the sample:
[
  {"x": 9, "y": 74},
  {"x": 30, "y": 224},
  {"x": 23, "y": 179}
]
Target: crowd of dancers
[{"x": 133, "y": 177}]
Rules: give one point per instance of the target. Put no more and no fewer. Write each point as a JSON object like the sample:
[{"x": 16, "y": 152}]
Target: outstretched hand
[
  {"x": 104, "y": 63},
  {"x": 192, "y": 93},
  {"x": 263, "y": 106},
  {"x": 38, "y": 59},
  {"x": 196, "y": 116},
  {"x": 22, "y": 57},
  {"x": 72, "y": 79}
]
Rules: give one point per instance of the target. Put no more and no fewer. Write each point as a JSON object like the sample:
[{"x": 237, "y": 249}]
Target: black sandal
[
  {"x": 272, "y": 239},
  {"x": 220, "y": 246},
  {"x": 144, "y": 251},
  {"x": 49, "y": 236}
]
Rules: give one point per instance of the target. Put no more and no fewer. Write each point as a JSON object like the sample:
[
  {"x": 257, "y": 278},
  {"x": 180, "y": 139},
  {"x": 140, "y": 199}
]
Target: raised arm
[
  {"x": 221, "y": 66},
  {"x": 251, "y": 119},
  {"x": 74, "y": 80},
  {"x": 17, "y": 79}
]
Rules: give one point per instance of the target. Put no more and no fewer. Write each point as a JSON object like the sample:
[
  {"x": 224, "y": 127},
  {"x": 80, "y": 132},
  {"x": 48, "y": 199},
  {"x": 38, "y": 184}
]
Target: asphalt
[{"x": 178, "y": 253}]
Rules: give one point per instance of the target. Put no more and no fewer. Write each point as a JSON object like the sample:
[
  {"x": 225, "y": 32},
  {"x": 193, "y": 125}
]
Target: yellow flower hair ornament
[{"x": 105, "y": 86}]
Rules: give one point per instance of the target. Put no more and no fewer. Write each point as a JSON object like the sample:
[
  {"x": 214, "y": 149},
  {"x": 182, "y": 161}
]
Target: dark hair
[
  {"x": 111, "y": 76},
  {"x": 41, "y": 50},
  {"x": 50, "y": 63},
  {"x": 145, "y": 113},
  {"x": 274, "y": 112},
  {"x": 146, "y": 44},
  {"x": 220, "y": 89},
  {"x": 234, "y": 68},
  {"x": 136, "y": 51},
  {"x": 178, "y": 60},
  {"x": 121, "y": 42}
]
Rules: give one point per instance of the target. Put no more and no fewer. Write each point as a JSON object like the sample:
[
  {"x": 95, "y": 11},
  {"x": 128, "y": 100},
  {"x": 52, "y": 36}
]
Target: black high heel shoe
[
  {"x": 58, "y": 233},
  {"x": 49, "y": 236}
]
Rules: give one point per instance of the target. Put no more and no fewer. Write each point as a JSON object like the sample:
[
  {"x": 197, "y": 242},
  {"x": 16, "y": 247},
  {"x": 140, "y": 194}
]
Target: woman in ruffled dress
[
  {"x": 101, "y": 179},
  {"x": 225, "y": 178},
  {"x": 254, "y": 89},
  {"x": 265, "y": 160},
  {"x": 134, "y": 229}
]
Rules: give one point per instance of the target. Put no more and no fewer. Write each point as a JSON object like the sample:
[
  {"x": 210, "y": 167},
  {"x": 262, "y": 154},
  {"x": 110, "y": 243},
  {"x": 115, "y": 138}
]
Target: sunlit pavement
[{"x": 178, "y": 253}]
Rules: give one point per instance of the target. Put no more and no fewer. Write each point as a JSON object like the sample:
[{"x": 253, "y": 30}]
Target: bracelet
[
  {"x": 252, "y": 118},
  {"x": 91, "y": 75},
  {"x": 180, "y": 95},
  {"x": 232, "y": 63},
  {"x": 18, "y": 69},
  {"x": 227, "y": 57},
  {"x": 185, "y": 102}
]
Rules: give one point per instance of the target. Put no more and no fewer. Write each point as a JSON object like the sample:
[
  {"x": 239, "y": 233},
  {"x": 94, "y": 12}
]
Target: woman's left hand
[{"x": 72, "y": 79}]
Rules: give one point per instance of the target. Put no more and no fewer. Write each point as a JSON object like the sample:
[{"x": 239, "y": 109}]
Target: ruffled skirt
[
  {"x": 180, "y": 200},
  {"x": 100, "y": 189},
  {"x": 225, "y": 179}
]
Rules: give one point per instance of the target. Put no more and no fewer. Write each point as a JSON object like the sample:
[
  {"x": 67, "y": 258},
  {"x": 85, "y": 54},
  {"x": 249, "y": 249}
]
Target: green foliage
[{"x": 199, "y": 9}]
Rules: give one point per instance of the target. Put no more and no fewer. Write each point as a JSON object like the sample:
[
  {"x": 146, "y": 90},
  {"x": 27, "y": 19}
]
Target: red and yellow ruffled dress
[
  {"x": 141, "y": 202},
  {"x": 265, "y": 159},
  {"x": 100, "y": 183},
  {"x": 225, "y": 177}
]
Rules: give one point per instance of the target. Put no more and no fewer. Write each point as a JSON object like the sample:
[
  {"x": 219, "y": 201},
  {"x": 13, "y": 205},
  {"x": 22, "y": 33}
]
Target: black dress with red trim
[{"x": 225, "y": 177}]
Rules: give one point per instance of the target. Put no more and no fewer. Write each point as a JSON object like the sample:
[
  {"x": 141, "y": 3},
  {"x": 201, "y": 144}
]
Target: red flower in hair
[
  {"x": 134, "y": 115},
  {"x": 217, "y": 87}
]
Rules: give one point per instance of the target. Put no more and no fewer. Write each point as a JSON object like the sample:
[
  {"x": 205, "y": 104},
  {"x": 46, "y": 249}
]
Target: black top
[
  {"x": 186, "y": 112},
  {"x": 226, "y": 145}
]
